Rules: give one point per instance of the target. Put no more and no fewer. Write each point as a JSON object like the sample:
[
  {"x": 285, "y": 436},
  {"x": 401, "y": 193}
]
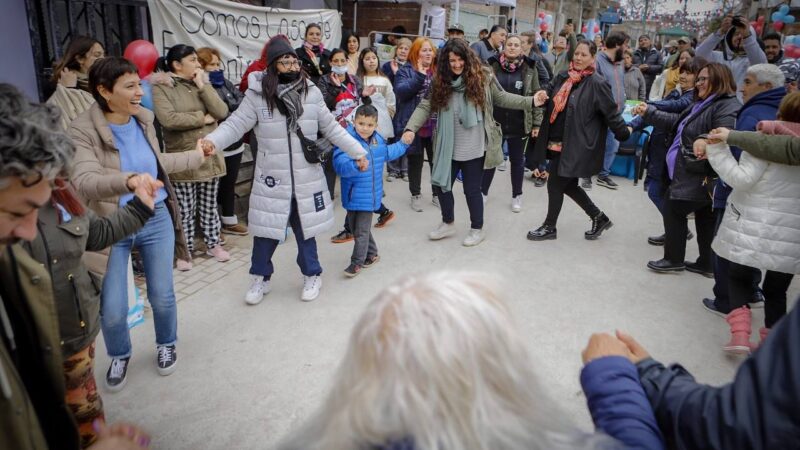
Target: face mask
[
  {"x": 339, "y": 70},
  {"x": 288, "y": 77},
  {"x": 216, "y": 78}
]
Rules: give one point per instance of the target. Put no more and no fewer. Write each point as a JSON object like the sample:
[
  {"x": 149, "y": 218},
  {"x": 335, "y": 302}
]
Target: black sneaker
[
  {"x": 539, "y": 181},
  {"x": 384, "y": 218},
  {"x": 607, "y": 182},
  {"x": 698, "y": 269},
  {"x": 758, "y": 299},
  {"x": 664, "y": 266},
  {"x": 656, "y": 240},
  {"x": 167, "y": 359},
  {"x": 543, "y": 233},
  {"x": 711, "y": 306},
  {"x": 586, "y": 184},
  {"x": 600, "y": 223},
  {"x": 369, "y": 262},
  {"x": 352, "y": 270},
  {"x": 117, "y": 374}
]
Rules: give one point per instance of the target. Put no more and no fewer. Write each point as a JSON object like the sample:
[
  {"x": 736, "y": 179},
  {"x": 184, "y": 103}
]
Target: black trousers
[
  {"x": 775, "y": 286},
  {"x": 472, "y": 172},
  {"x": 676, "y": 228},
  {"x": 226, "y": 196},
  {"x": 415, "y": 163},
  {"x": 330, "y": 176},
  {"x": 558, "y": 187},
  {"x": 516, "y": 155},
  {"x": 722, "y": 272}
]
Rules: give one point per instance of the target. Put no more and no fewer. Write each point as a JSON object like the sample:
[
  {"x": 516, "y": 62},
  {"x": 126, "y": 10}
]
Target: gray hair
[
  {"x": 767, "y": 73},
  {"x": 32, "y": 142},
  {"x": 436, "y": 360}
]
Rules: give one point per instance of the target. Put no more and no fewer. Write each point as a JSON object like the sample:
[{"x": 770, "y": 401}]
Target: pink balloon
[
  {"x": 143, "y": 54},
  {"x": 597, "y": 28},
  {"x": 542, "y": 15},
  {"x": 761, "y": 19},
  {"x": 543, "y": 26},
  {"x": 778, "y": 25},
  {"x": 584, "y": 29}
]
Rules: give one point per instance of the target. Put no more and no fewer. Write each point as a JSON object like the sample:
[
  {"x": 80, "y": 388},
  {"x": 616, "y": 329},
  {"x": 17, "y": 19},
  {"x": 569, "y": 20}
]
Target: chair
[{"x": 636, "y": 146}]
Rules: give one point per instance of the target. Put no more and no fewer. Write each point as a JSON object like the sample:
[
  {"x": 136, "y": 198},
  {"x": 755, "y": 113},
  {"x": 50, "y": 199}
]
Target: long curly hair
[{"x": 474, "y": 78}]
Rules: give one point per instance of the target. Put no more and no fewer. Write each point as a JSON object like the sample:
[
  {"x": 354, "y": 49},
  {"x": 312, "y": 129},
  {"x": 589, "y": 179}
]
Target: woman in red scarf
[{"x": 581, "y": 103}]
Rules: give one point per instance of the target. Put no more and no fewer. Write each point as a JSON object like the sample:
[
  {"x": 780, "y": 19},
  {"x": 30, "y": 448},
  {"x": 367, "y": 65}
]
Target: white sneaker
[
  {"x": 502, "y": 167},
  {"x": 416, "y": 203},
  {"x": 435, "y": 201},
  {"x": 474, "y": 238},
  {"x": 485, "y": 199},
  {"x": 516, "y": 204},
  {"x": 311, "y": 287},
  {"x": 259, "y": 287},
  {"x": 442, "y": 231}
]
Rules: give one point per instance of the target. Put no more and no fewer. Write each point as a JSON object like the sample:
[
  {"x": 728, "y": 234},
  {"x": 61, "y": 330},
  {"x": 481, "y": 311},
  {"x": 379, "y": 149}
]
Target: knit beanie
[{"x": 277, "y": 48}]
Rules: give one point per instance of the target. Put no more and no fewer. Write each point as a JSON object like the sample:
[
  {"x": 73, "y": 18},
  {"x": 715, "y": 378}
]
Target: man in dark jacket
[
  {"x": 762, "y": 93},
  {"x": 758, "y": 410},
  {"x": 33, "y": 410},
  {"x": 649, "y": 61}
]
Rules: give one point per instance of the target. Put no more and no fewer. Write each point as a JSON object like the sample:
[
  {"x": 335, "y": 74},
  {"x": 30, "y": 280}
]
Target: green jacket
[
  {"x": 774, "y": 148},
  {"x": 60, "y": 247},
  {"x": 44, "y": 421},
  {"x": 494, "y": 134},
  {"x": 180, "y": 109},
  {"x": 533, "y": 118}
]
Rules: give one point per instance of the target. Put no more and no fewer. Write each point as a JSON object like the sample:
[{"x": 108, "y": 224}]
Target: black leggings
[
  {"x": 740, "y": 287},
  {"x": 226, "y": 197},
  {"x": 676, "y": 228},
  {"x": 472, "y": 172},
  {"x": 516, "y": 154},
  {"x": 558, "y": 186},
  {"x": 415, "y": 163}
]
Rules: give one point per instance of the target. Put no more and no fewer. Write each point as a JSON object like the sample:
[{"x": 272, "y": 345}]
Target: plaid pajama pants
[{"x": 199, "y": 198}]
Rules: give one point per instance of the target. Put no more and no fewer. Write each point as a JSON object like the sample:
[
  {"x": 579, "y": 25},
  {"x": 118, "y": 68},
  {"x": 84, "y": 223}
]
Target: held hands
[
  {"x": 718, "y": 135},
  {"x": 640, "y": 109},
  {"x": 540, "y": 173},
  {"x": 603, "y": 344},
  {"x": 208, "y": 119},
  {"x": 205, "y": 147},
  {"x": 145, "y": 187},
  {"x": 199, "y": 78},
  {"x": 362, "y": 163},
  {"x": 535, "y": 132},
  {"x": 540, "y": 98},
  {"x": 408, "y": 137}
]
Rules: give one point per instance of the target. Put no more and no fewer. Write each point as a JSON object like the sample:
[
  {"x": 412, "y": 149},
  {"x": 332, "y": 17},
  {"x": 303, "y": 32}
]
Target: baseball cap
[
  {"x": 456, "y": 27},
  {"x": 672, "y": 43},
  {"x": 684, "y": 40}
]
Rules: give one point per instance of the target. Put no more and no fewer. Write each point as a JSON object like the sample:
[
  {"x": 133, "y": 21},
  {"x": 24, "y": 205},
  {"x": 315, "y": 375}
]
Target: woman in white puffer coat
[
  {"x": 287, "y": 189},
  {"x": 761, "y": 226}
]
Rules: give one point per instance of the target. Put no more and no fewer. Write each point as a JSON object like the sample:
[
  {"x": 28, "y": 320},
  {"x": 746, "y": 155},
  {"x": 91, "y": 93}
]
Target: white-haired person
[{"x": 436, "y": 362}]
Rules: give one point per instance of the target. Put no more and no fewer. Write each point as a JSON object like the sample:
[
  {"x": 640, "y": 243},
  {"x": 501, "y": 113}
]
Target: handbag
[
  {"x": 695, "y": 165},
  {"x": 315, "y": 152}
]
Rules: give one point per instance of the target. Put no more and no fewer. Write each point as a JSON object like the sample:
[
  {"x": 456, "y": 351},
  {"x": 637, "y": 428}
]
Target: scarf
[
  {"x": 573, "y": 76},
  {"x": 779, "y": 127},
  {"x": 289, "y": 95},
  {"x": 672, "y": 151},
  {"x": 468, "y": 117},
  {"x": 510, "y": 65}
]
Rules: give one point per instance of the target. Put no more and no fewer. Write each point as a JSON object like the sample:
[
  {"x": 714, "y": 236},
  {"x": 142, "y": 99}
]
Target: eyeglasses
[
  {"x": 290, "y": 63},
  {"x": 701, "y": 80}
]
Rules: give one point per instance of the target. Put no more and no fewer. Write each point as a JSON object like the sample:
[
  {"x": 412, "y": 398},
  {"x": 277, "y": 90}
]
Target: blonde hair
[{"x": 436, "y": 360}]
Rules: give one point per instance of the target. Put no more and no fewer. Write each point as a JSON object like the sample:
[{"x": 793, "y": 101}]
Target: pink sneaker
[
  {"x": 219, "y": 254},
  {"x": 739, "y": 321},
  {"x": 183, "y": 265}
]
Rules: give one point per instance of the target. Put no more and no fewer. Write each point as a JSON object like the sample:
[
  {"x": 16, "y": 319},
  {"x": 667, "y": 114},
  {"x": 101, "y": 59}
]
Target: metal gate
[{"x": 114, "y": 23}]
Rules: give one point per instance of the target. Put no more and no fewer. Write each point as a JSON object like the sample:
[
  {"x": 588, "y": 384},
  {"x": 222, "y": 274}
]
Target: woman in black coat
[
  {"x": 690, "y": 181},
  {"x": 314, "y": 58},
  {"x": 581, "y": 102}
]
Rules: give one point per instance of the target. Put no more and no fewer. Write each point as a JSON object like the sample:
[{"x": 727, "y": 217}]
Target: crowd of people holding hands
[{"x": 435, "y": 361}]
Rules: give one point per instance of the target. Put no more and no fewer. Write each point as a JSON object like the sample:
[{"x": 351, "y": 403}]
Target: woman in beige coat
[
  {"x": 188, "y": 108},
  {"x": 117, "y": 151}
]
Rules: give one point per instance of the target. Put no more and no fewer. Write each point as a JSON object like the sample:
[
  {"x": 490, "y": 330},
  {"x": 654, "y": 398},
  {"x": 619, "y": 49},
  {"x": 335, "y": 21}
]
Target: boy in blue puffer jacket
[{"x": 362, "y": 191}]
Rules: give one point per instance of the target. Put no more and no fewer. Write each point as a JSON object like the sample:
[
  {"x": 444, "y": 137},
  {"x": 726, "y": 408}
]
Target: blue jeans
[
  {"x": 654, "y": 192},
  {"x": 264, "y": 248},
  {"x": 612, "y": 146},
  {"x": 156, "y": 244}
]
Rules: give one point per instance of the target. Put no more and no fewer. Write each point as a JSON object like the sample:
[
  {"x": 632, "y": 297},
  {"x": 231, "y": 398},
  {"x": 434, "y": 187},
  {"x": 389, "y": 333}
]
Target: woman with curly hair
[{"x": 467, "y": 138}]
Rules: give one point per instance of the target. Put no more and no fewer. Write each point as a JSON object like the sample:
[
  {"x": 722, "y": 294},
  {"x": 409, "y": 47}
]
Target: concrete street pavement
[{"x": 246, "y": 375}]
